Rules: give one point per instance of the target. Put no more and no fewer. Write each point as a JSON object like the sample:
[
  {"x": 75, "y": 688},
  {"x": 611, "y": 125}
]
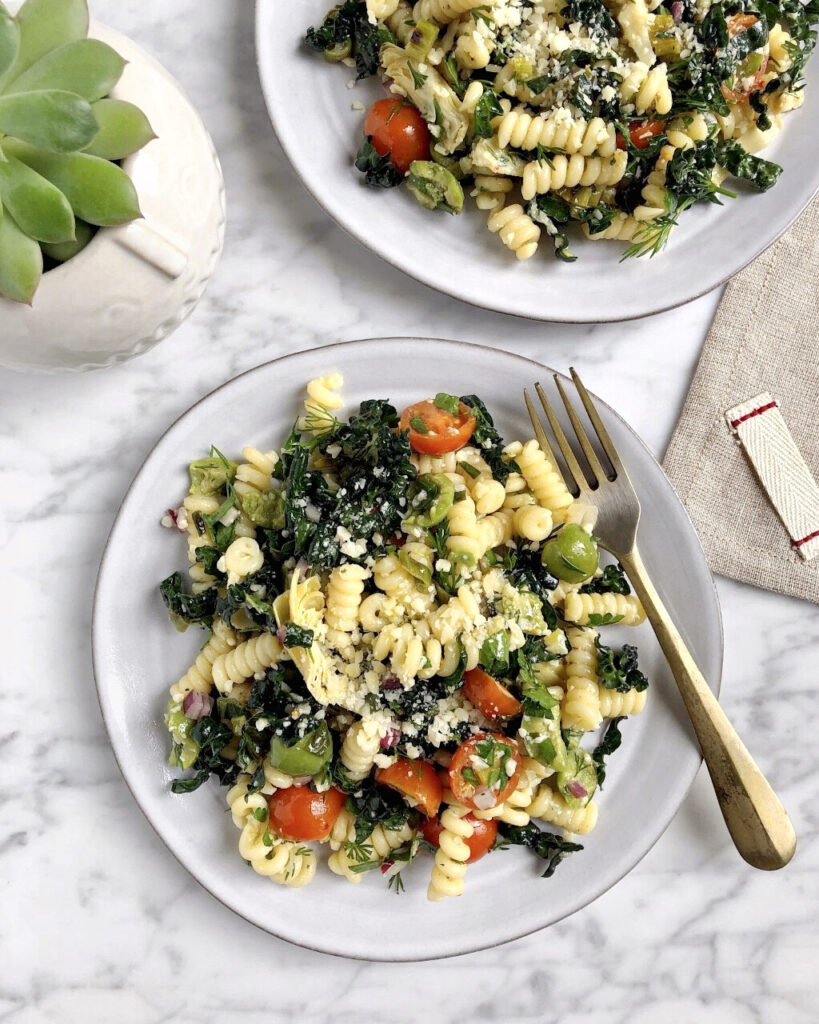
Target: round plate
[
  {"x": 137, "y": 654},
  {"x": 310, "y": 108}
]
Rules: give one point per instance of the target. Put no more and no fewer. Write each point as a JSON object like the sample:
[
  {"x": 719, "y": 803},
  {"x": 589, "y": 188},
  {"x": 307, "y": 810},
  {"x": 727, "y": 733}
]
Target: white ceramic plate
[
  {"x": 137, "y": 654},
  {"x": 310, "y": 108}
]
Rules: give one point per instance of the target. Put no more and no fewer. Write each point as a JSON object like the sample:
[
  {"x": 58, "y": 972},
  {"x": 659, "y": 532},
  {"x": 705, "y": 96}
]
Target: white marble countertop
[{"x": 98, "y": 922}]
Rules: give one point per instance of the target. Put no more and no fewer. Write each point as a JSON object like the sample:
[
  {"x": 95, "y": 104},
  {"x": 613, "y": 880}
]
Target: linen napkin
[{"x": 744, "y": 457}]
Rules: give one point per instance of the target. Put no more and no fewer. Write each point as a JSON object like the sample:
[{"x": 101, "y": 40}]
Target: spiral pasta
[
  {"x": 625, "y": 608},
  {"x": 488, "y": 495},
  {"x": 556, "y": 130},
  {"x": 534, "y": 522},
  {"x": 282, "y": 861},
  {"x": 561, "y": 171},
  {"x": 634, "y": 21},
  {"x": 380, "y": 844},
  {"x": 452, "y": 854},
  {"x": 542, "y": 477},
  {"x": 647, "y": 88},
  {"x": 243, "y": 662},
  {"x": 615, "y": 705},
  {"x": 581, "y": 707},
  {"x": 200, "y": 675},
  {"x": 464, "y": 542},
  {"x": 380, "y": 10},
  {"x": 547, "y": 805},
  {"x": 361, "y": 743},
  {"x": 344, "y": 590}
]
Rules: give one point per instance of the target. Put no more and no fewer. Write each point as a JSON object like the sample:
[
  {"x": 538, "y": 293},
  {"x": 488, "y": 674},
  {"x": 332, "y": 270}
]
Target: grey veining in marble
[{"x": 98, "y": 922}]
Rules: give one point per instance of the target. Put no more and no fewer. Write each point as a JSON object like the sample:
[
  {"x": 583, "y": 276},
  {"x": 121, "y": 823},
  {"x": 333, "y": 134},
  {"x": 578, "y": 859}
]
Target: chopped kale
[
  {"x": 347, "y": 28},
  {"x": 619, "y": 671},
  {"x": 379, "y": 171},
  {"x": 376, "y": 805},
  {"x": 760, "y": 173},
  {"x": 613, "y": 581},
  {"x": 609, "y": 742},
  {"x": 297, "y": 636},
  {"x": 192, "y": 608},
  {"x": 546, "y": 845},
  {"x": 488, "y": 440},
  {"x": 593, "y": 15}
]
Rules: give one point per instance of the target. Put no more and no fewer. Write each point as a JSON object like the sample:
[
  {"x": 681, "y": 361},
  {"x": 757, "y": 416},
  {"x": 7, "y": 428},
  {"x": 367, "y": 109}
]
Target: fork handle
[{"x": 757, "y": 821}]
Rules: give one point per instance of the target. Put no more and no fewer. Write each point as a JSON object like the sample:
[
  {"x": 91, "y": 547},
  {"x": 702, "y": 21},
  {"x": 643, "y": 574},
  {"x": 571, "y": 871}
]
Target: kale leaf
[
  {"x": 593, "y": 15},
  {"x": 488, "y": 440},
  {"x": 546, "y": 845},
  {"x": 192, "y": 608},
  {"x": 375, "y": 805},
  {"x": 619, "y": 671},
  {"x": 349, "y": 23},
  {"x": 488, "y": 106},
  {"x": 613, "y": 581},
  {"x": 379, "y": 171},
  {"x": 760, "y": 173},
  {"x": 609, "y": 742}
]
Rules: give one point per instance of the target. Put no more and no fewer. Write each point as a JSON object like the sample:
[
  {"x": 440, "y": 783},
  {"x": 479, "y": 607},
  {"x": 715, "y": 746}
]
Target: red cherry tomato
[
  {"x": 489, "y": 696},
  {"x": 477, "y": 786},
  {"x": 300, "y": 813},
  {"x": 396, "y": 128},
  {"x": 434, "y": 431},
  {"x": 738, "y": 23},
  {"x": 417, "y": 781},
  {"x": 641, "y": 133},
  {"x": 479, "y": 843}
]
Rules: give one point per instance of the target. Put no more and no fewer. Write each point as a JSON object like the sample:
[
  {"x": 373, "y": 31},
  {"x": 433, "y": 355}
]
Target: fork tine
[
  {"x": 591, "y": 455},
  {"x": 540, "y": 433},
  {"x": 602, "y": 434},
  {"x": 566, "y": 449}
]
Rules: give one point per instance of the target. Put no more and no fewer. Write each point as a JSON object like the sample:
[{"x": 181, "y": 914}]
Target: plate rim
[
  {"x": 97, "y": 669},
  {"x": 490, "y": 303}
]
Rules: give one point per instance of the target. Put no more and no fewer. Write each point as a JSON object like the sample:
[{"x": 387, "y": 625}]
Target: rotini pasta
[{"x": 343, "y": 671}]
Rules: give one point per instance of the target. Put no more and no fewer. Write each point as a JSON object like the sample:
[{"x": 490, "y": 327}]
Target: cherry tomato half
[
  {"x": 641, "y": 133},
  {"x": 396, "y": 128},
  {"x": 415, "y": 780},
  {"x": 480, "y": 787},
  {"x": 489, "y": 696},
  {"x": 300, "y": 813},
  {"x": 753, "y": 82},
  {"x": 479, "y": 843},
  {"x": 434, "y": 431}
]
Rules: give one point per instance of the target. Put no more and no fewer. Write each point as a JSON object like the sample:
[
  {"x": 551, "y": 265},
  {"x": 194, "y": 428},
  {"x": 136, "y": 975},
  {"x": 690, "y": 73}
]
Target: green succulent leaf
[
  {"x": 123, "y": 130},
  {"x": 50, "y": 119},
  {"x": 39, "y": 208},
  {"x": 9, "y": 40},
  {"x": 47, "y": 24},
  {"x": 87, "y": 67},
  {"x": 62, "y": 251},
  {"x": 21, "y": 262},
  {"x": 99, "y": 192}
]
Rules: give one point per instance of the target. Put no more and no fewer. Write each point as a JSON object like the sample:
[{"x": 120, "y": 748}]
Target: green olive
[
  {"x": 431, "y": 496},
  {"x": 571, "y": 555}
]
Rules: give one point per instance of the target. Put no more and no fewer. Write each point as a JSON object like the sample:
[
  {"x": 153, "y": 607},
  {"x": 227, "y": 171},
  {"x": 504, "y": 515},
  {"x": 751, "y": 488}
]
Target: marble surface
[{"x": 98, "y": 922}]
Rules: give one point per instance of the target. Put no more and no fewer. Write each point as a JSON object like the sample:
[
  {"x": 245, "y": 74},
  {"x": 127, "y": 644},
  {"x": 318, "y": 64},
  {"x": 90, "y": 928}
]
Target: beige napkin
[{"x": 765, "y": 338}]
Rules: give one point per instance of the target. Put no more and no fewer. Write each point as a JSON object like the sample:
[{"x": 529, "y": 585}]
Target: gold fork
[{"x": 755, "y": 818}]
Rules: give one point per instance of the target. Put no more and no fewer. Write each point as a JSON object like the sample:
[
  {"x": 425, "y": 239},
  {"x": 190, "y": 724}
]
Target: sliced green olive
[
  {"x": 307, "y": 756},
  {"x": 435, "y": 187},
  {"x": 421, "y": 40},
  {"x": 337, "y": 52},
  {"x": 431, "y": 497}
]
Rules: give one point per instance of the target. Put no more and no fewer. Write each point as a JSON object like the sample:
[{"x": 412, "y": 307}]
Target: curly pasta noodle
[
  {"x": 634, "y": 21},
  {"x": 547, "y": 805},
  {"x": 583, "y": 515},
  {"x": 401, "y": 23},
  {"x": 561, "y": 171},
  {"x": 197, "y": 505},
  {"x": 647, "y": 87},
  {"x": 397, "y": 583},
  {"x": 534, "y": 522},
  {"x": 516, "y": 230},
  {"x": 444, "y": 11},
  {"x": 450, "y": 859},
  {"x": 623, "y": 228},
  {"x": 361, "y": 743},
  {"x": 243, "y": 662},
  {"x": 581, "y": 706},
  {"x": 254, "y": 474},
  {"x": 464, "y": 542},
  {"x": 430, "y": 464},
  {"x": 543, "y": 478},
  {"x": 343, "y": 830},
  {"x": 280, "y": 860},
  {"x": 557, "y": 130},
  {"x": 579, "y": 607},
  {"x": 515, "y": 809},
  {"x": 274, "y": 778},
  {"x": 488, "y": 495},
  {"x": 473, "y": 48},
  {"x": 551, "y": 673},
  {"x": 380, "y": 844},
  {"x": 380, "y": 10},
  {"x": 199, "y": 676},
  {"x": 617, "y": 705},
  {"x": 344, "y": 590},
  {"x": 322, "y": 401}
]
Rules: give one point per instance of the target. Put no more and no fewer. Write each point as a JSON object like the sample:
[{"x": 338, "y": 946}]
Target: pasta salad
[
  {"x": 403, "y": 651},
  {"x": 617, "y": 115}
]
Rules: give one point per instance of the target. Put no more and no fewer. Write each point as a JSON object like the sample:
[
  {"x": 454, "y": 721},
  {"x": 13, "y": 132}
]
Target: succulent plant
[{"x": 60, "y": 137}]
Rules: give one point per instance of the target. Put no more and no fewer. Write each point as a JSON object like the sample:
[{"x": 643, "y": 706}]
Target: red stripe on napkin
[{"x": 750, "y": 415}]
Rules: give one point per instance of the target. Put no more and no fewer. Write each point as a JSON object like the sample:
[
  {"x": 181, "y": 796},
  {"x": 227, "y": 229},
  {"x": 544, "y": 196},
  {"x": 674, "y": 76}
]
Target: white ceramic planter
[{"x": 132, "y": 285}]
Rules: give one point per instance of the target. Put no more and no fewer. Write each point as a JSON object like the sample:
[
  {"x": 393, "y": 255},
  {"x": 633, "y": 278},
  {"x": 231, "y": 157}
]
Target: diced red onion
[
  {"x": 577, "y": 790},
  {"x": 196, "y": 705},
  {"x": 385, "y": 867},
  {"x": 171, "y": 512},
  {"x": 391, "y": 683},
  {"x": 390, "y": 738},
  {"x": 281, "y": 633},
  {"x": 677, "y": 11},
  {"x": 484, "y": 799}
]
